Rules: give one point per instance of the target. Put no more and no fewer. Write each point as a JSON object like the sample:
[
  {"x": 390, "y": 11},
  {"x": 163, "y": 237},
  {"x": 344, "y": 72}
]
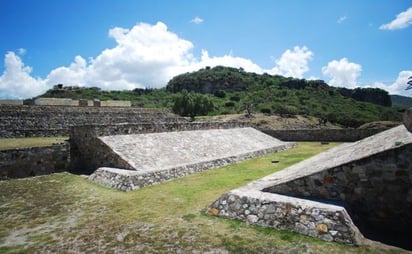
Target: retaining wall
[
  {"x": 41, "y": 121},
  {"x": 324, "y": 135},
  {"x": 367, "y": 182},
  {"x": 18, "y": 163},
  {"x": 11, "y": 102},
  {"x": 90, "y": 153}
]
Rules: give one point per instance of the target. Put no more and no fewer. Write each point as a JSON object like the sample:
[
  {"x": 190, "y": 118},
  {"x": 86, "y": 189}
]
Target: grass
[
  {"x": 14, "y": 143},
  {"x": 67, "y": 213}
]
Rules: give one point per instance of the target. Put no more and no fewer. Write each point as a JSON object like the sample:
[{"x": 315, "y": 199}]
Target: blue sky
[{"x": 127, "y": 44}]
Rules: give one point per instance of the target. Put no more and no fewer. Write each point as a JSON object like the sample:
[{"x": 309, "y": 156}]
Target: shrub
[
  {"x": 266, "y": 111},
  {"x": 229, "y": 104},
  {"x": 220, "y": 94},
  {"x": 235, "y": 98}
]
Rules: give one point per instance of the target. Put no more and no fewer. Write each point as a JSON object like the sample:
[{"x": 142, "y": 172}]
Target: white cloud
[
  {"x": 16, "y": 81},
  {"x": 21, "y": 51},
  {"x": 342, "y": 19},
  {"x": 197, "y": 20},
  {"x": 293, "y": 63},
  {"x": 402, "y": 20},
  {"x": 342, "y": 73},
  {"x": 399, "y": 86},
  {"x": 144, "y": 56}
]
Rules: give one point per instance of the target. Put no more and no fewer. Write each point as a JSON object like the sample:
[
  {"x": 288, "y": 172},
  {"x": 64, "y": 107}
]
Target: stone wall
[
  {"x": 55, "y": 102},
  {"x": 83, "y": 103},
  {"x": 39, "y": 121},
  {"x": 112, "y": 103},
  {"x": 127, "y": 180},
  {"x": 323, "y": 135},
  {"x": 367, "y": 183},
  {"x": 90, "y": 153},
  {"x": 376, "y": 190},
  {"x": 326, "y": 221},
  {"x": 11, "y": 102},
  {"x": 17, "y": 163}
]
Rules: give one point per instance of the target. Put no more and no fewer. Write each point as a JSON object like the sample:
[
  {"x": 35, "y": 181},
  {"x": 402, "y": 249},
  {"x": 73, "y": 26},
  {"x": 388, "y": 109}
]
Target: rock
[
  {"x": 322, "y": 228},
  {"x": 252, "y": 219},
  {"x": 213, "y": 211}
]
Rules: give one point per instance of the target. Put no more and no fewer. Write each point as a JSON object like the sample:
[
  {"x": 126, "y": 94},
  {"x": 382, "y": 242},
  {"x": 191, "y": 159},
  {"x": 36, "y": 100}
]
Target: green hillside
[
  {"x": 401, "y": 102},
  {"x": 224, "y": 90}
]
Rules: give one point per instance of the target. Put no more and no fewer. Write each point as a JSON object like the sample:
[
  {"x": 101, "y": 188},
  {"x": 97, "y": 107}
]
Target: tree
[
  {"x": 192, "y": 104},
  {"x": 409, "y": 83}
]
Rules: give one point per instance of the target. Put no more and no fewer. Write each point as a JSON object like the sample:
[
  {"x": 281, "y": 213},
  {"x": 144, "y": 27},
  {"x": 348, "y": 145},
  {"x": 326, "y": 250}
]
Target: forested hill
[
  {"x": 212, "y": 80},
  {"x": 401, "y": 102},
  {"x": 225, "y": 90}
]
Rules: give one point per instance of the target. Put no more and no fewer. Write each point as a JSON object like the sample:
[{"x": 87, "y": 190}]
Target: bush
[
  {"x": 229, "y": 104},
  {"x": 220, "y": 94},
  {"x": 235, "y": 98},
  {"x": 266, "y": 111}
]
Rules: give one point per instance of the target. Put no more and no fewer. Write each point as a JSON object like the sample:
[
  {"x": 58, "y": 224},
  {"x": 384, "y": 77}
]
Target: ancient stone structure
[
  {"x": 17, "y": 163},
  {"x": 82, "y": 102},
  {"x": 11, "y": 102},
  {"x": 38, "y": 121},
  {"x": 323, "y": 135},
  {"x": 132, "y": 160},
  {"x": 367, "y": 183},
  {"x": 56, "y": 102}
]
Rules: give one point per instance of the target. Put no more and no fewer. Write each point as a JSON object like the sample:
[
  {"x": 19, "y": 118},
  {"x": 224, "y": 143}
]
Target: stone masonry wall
[
  {"x": 17, "y": 163},
  {"x": 324, "y": 135},
  {"x": 90, "y": 153},
  {"x": 377, "y": 190},
  {"x": 127, "y": 180},
  {"x": 38, "y": 121},
  {"x": 325, "y": 221}
]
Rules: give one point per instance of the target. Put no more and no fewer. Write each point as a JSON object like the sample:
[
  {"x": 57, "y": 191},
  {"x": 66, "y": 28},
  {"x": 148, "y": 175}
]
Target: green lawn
[
  {"x": 13, "y": 143},
  {"x": 67, "y": 213}
]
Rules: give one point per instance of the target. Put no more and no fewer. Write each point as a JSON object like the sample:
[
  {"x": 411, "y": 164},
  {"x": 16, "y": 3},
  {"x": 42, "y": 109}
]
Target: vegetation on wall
[{"x": 226, "y": 90}]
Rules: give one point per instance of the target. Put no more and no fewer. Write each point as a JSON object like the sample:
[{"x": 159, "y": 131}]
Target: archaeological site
[{"x": 357, "y": 191}]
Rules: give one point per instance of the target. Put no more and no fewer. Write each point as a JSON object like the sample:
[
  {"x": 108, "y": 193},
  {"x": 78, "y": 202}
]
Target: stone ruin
[
  {"x": 135, "y": 156},
  {"x": 353, "y": 192},
  {"x": 337, "y": 196}
]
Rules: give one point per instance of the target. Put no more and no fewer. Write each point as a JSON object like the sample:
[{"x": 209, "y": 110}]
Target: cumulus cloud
[
  {"x": 342, "y": 73},
  {"x": 402, "y": 20},
  {"x": 144, "y": 56},
  {"x": 16, "y": 81},
  {"x": 196, "y": 20},
  {"x": 399, "y": 86},
  {"x": 293, "y": 63}
]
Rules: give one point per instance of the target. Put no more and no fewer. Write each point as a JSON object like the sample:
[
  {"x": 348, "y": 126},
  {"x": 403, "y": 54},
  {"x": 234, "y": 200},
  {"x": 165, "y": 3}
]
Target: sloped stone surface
[{"x": 158, "y": 157}]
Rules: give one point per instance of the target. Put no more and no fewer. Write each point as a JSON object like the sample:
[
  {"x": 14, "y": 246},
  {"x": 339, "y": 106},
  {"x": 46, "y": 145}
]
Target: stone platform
[
  {"x": 157, "y": 157},
  {"x": 367, "y": 183}
]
